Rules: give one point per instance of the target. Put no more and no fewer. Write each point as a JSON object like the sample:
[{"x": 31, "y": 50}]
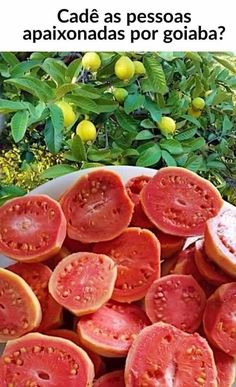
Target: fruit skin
[
  {"x": 31, "y": 214},
  {"x": 120, "y": 94},
  {"x": 187, "y": 194},
  {"x": 41, "y": 358},
  {"x": 207, "y": 268},
  {"x": 114, "y": 379},
  {"x": 68, "y": 113},
  {"x": 194, "y": 113},
  {"x": 218, "y": 227},
  {"x": 107, "y": 194},
  {"x": 167, "y": 125},
  {"x": 218, "y": 319},
  {"x": 198, "y": 103},
  {"x": 86, "y": 130},
  {"x": 177, "y": 300},
  {"x": 91, "y": 61},
  {"x": 98, "y": 268},
  {"x": 139, "y": 68},
  {"x": 37, "y": 277},
  {"x": 161, "y": 353},
  {"x": 29, "y": 308},
  {"x": 124, "y": 68},
  {"x": 170, "y": 244},
  {"x": 137, "y": 266},
  {"x": 118, "y": 325}
]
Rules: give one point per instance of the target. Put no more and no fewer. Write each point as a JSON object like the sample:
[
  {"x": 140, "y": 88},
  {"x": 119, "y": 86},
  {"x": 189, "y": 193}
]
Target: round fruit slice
[
  {"x": 20, "y": 310},
  {"x": 32, "y": 228},
  {"x": 170, "y": 244},
  {"x": 220, "y": 241},
  {"x": 37, "y": 277},
  {"x": 97, "y": 207},
  {"x": 219, "y": 318},
  {"x": 185, "y": 264},
  {"x": 136, "y": 253},
  {"x": 134, "y": 186},
  {"x": 40, "y": 360},
  {"x": 225, "y": 366},
  {"x": 111, "y": 329},
  {"x": 165, "y": 356},
  {"x": 113, "y": 379},
  {"x": 207, "y": 268},
  {"x": 170, "y": 299},
  {"x": 97, "y": 361},
  {"x": 83, "y": 282},
  {"x": 179, "y": 202}
]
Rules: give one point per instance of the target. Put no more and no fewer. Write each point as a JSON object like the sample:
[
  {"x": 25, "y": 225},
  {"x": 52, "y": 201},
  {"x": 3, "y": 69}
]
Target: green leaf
[
  {"x": 194, "y": 163},
  {"x": 78, "y": 149},
  {"x": 62, "y": 90},
  {"x": 4, "y": 70},
  {"x": 126, "y": 122},
  {"x": 133, "y": 102},
  {"x": 191, "y": 119},
  {"x": 194, "y": 56},
  {"x": 57, "y": 118},
  {"x": 99, "y": 154},
  {"x": 224, "y": 62},
  {"x": 149, "y": 157},
  {"x": 7, "y": 106},
  {"x": 108, "y": 69},
  {"x": 86, "y": 165},
  {"x": 33, "y": 86},
  {"x": 53, "y": 137},
  {"x": 144, "y": 135},
  {"x": 169, "y": 160},
  {"x": 11, "y": 190},
  {"x": 73, "y": 69},
  {"x": 9, "y": 58},
  {"x": 186, "y": 134},
  {"x": 147, "y": 124},
  {"x": 227, "y": 126},
  {"x": 194, "y": 144},
  {"x": 58, "y": 170},
  {"x": 155, "y": 74},
  {"x": 153, "y": 109},
  {"x": 19, "y": 124},
  {"x": 105, "y": 105},
  {"x": 23, "y": 67},
  {"x": 172, "y": 146},
  {"x": 56, "y": 69},
  {"x": 215, "y": 164},
  {"x": 88, "y": 91},
  {"x": 83, "y": 103}
]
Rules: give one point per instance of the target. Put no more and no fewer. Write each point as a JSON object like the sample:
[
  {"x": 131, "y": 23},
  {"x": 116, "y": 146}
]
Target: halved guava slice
[
  {"x": 83, "y": 282},
  {"x": 136, "y": 253},
  {"x": 179, "y": 202},
  {"x": 170, "y": 244},
  {"x": 165, "y": 356},
  {"x": 99, "y": 365},
  {"x": 97, "y": 207},
  {"x": 32, "y": 228},
  {"x": 134, "y": 186},
  {"x": 207, "y": 268},
  {"x": 219, "y": 318},
  {"x": 171, "y": 298},
  {"x": 37, "y": 276},
  {"x": 111, "y": 330},
  {"x": 112, "y": 379},
  {"x": 40, "y": 360},
  {"x": 185, "y": 264},
  {"x": 20, "y": 310},
  {"x": 225, "y": 366},
  {"x": 220, "y": 240}
]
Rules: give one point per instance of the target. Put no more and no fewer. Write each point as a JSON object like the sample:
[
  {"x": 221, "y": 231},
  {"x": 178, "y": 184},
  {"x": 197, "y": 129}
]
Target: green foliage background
[{"x": 31, "y": 84}]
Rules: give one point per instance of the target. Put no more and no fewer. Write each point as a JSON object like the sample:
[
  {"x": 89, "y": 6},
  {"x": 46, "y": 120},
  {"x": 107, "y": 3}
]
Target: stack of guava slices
[{"x": 108, "y": 290}]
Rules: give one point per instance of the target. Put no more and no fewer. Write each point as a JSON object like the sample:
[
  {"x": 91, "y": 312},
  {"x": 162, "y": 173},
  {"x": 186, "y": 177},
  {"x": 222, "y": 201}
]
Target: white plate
[{"x": 56, "y": 187}]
